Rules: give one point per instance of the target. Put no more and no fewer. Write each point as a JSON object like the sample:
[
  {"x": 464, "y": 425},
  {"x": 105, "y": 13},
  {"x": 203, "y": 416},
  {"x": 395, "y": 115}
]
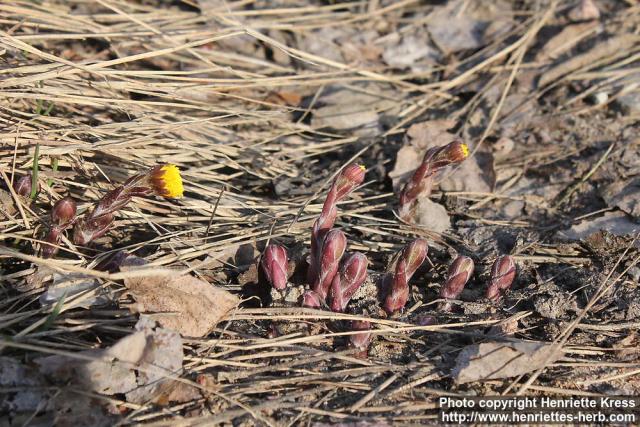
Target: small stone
[
  {"x": 585, "y": 10},
  {"x": 513, "y": 209},
  {"x": 432, "y": 215},
  {"x": 599, "y": 98},
  {"x": 629, "y": 103}
]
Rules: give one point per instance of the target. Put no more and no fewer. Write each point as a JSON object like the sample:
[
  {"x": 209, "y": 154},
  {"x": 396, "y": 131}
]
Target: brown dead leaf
[
  {"x": 570, "y": 36},
  {"x": 598, "y": 52},
  {"x": 23, "y": 389},
  {"x": 7, "y": 205},
  {"x": 585, "y": 10},
  {"x": 139, "y": 365},
  {"x": 354, "y": 108},
  {"x": 474, "y": 174},
  {"x": 429, "y": 134},
  {"x": 411, "y": 51},
  {"x": 624, "y": 195},
  {"x": 494, "y": 360},
  {"x": 617, "y": 223},
  {"x": 284, "y": 98},
  {"x": 193, "y": 307},
  {"x": 460, "y": 25}
]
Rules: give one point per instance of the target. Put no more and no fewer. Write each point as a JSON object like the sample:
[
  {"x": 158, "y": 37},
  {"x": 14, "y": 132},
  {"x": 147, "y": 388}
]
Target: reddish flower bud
[
  {"x": 353, "y": 273},
  {"x": 412, "y": 257},
  {"x": 333, "y": 247},
  {"x": 52, "y": 240},
  {"x": 23, "y": 186},
  {"x": 274, "y": 264},
  {"x": 454, "y": 152},
  {"x": 63, "y": 211},
  {"x": 350, "y": 177},
  {"x": 458, "y": 275},
  {"x": 311, "y": 299},
  {"x": 360, "y": 341},
  {"x": 503, "y": 273},
  {"x": 421, "y": 182}
]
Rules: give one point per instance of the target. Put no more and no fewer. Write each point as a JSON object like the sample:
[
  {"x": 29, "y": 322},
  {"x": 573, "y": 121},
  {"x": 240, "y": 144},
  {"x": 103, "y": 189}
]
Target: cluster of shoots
[
  {"x": 503, "y": 273},
  {"x": 421, "y": 182},
  {"x": 331, "y": 275},
  {"x": 163, "y": 180},
  {"x": 334, "y": 276}
]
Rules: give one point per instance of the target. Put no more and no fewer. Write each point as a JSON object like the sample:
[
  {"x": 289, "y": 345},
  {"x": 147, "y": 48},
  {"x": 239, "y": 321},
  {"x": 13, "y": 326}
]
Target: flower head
[
  {"x": 458, "y": 275},
  {"x": 274, "y": 264},
  {"x": 23, "y": 186},
  {"x": 454, "y": 152},
  {"x": 166, "y": 181},
  {"x": 503, "y": 272},
  {"x": 63, "y": 211},
  {"x": 421, "y": 182},
  {"x": 350, "y": 177},
  {"x": 411, "y": 258},
  {"x": 352, "y": 274},
  {"x": 333, "y": 247}
]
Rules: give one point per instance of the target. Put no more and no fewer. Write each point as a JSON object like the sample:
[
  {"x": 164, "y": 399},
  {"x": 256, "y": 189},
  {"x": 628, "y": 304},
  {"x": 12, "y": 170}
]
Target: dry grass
[{"x": 111, "y": 87}]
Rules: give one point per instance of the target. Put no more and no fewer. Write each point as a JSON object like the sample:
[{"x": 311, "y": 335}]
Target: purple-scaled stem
[
  {"x": 163, "y": 180},
  {"x": 352, "y": 274},
  {"x": 458, "y": 275},
  {"x": 503, "y": 273},
  {"x": 348, "y": 179},
  {"x": 63, "y": 216},
  {"x": 274, "y": 264},
  {"x": 333, "y": 247},
  {"x": 23, "y": 186},
  {"x": 362, "y": 340},
  {"x": 421, "y": 182},
  {"x": 412, "y": 257}
]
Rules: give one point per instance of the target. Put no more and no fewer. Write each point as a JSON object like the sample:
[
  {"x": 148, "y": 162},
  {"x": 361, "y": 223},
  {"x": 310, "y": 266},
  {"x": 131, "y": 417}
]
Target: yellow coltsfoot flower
[{"x": 166, "y": 181}]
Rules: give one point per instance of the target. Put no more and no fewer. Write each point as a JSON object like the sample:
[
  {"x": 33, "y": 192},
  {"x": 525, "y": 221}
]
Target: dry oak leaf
[
  {"x": 140, "y": 365},
  {"x": 494, "y": 360},
  {"x": 193, "y": 307}
]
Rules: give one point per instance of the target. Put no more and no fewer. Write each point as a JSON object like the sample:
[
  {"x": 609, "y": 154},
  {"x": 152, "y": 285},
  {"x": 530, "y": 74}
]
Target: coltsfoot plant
[
  {"x": 503, "y": 274},
  {"x": 411, "y": 258},
  {"x": 421, "y": 182},
  {"x": 162, "y": 180},
  {"x": 458, "y": 275}
]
